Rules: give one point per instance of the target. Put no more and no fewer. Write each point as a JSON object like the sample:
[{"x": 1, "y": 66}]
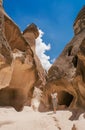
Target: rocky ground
[{"x": 31, "y": 120}]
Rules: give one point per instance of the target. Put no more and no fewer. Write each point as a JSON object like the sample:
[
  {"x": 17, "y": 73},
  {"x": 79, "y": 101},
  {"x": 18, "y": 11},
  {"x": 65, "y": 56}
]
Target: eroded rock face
[
  {"x": 79, "y": 23},
  {"x": 21, "y": 70},
  {"x": 66, "y": 75},
  {"x": 30, "y": 34},
  {"x": 1, "y": 2},
  {"x": 18, "y": 78}
]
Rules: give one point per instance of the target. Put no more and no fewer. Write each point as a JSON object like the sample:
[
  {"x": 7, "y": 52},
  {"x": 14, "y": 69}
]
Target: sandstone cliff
[
  {"x": 20, "y": 68},
  {"x": 67, "y": 76},
  {"x": 30, "y": 34}
]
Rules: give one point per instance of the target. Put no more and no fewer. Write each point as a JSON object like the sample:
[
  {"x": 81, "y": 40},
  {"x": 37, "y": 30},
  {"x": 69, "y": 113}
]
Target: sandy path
[
  {"x": 30, "y": 120},
  {"x": 25, "y": 120}
]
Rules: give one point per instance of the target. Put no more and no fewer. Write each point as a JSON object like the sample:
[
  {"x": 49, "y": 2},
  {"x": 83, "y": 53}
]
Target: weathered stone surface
[
  {"x": 21, "y": 70},
  {"x": 1, "y": 2},
  {"x": 5, "y": 49},
  {"x": 13, "y": 35},
  {"x": 18, "y": 78},
  {"x": 79, "y": 23},
  {"x": 67, "y": 74},
  {"x": 30, "y": 34}
]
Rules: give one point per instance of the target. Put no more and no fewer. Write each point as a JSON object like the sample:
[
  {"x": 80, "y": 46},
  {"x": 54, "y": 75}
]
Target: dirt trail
[{"x": 30, "y": 120}]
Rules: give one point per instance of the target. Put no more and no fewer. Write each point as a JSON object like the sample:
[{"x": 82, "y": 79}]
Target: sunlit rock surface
[
  {"x": 20, "y": 68},
  {"x": 67, "y": 74}
]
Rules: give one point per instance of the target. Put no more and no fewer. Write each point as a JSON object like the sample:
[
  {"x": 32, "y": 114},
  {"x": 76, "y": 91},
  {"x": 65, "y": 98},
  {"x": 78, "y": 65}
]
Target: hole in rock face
[
  {"x": 75, "y": 61},
  {"x": 69, "y": 50},
  {"x": 64, "y": 98}
]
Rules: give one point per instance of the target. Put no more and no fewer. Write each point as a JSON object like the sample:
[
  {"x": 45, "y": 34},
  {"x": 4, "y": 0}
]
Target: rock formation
[
  {"x": 19, "y": 65},
  {"x": 67, "y": 74},
  {"x": 30, "y": 34},
  {"x": 21, "y": 70}
]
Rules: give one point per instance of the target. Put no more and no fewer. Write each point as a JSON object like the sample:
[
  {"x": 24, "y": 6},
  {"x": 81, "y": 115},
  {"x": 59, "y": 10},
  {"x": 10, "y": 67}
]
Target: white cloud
[
  {"x": 41, "y": 48},
  {"x": 53, "y": 60}
]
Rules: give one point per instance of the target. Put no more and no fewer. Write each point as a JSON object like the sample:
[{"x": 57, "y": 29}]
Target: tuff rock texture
[
  {"x": 79, "y": 23},
  {"x": 21, "y": 70},
  {"x": 19, "y": 65},
  {"x": 67, "y": 74},
  {"x": 30, "y": 33}
]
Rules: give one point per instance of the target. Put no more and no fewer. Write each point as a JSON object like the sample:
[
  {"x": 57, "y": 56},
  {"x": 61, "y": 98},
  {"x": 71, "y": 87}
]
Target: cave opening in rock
[
  {"x": 69, "y": 50},
  {"x": 65, "y": 98},
  {"x": 75, "y": 61}
]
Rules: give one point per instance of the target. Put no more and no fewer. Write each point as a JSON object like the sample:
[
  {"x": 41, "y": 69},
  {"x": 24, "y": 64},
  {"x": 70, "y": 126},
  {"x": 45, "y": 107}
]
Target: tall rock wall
[
  {"x": 20, "y": 68},
  {"x": 67, "y": 76}
]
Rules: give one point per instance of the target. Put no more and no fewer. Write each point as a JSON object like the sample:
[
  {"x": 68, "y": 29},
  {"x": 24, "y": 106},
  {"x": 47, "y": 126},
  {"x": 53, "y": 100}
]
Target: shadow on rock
[{"x": 76, "y": 114}]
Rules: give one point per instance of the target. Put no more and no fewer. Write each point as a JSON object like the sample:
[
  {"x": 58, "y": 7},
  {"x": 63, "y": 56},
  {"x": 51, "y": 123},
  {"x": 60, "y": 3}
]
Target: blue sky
[{"x": 54, "y": 17}]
